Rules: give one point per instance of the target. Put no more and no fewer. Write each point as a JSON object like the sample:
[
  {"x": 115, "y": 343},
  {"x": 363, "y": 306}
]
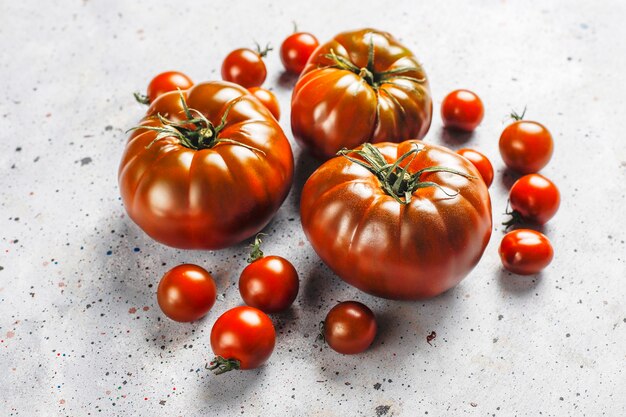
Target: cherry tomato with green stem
[
  {"x": 268, "y": 99},
  {"x": 163, "y": 83},
  {"x": 186, "y": 293},
  {"x": 245, "y": 67},
  {"x": 533, "y": 198},
  {"x": 481, "y": 162},
  {"x": 269, "y": 283},
  {"x": 349, "y": 328},
  {"x": 241, "y": 338},
  {"x": 526, "y": 146},
  {"x": 296, "y": 50},
  {"x": 525, "y": 251},
  {"x": 462, "y": 110}
]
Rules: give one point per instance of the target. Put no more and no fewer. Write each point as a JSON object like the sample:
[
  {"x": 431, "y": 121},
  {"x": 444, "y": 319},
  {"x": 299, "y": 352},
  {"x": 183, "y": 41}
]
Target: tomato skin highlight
[
  {"x": 245, "y": 334},
  {"x": 268, "y": 99},
  {"x": 481, "y": 162},
  {"x": 350, "y": 328},
  {"x": 462, "y": 110},
  {"x": 270, "y": 284},
  {"x": 244, "y": 67},
  {"x": 166, "y": 82},
  {"x": 525, "y": 251},
  {"x": 535, "y": 198},
  {"x": 296, "y": 50},
  {"x": 526, "y": 146},
  {"x": 334, "y": 108},
  {"x": 393, "y": 250},
  {"x": 186, "y": 293}
]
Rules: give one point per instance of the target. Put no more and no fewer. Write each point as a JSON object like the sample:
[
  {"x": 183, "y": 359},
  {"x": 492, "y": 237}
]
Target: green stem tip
[{"x": 220, "y": 365}]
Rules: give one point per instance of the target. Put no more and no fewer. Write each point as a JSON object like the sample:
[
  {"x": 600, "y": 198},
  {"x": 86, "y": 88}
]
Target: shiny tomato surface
[
  {"x": 244, "y": 67},
  {"x": 535, "y": 198},
  {"x": 526, "y": 146},
  {"x": 525, "y": 251},
  {"x": 481, "y": 162},
  {"x": 220, "y": 192},
  {"x": 268, "y": 99},
  {"x": 270, "y": 284},
  {"x": 166, "y": 82},
  {"x": 462, "y": 110},
  {"x": 186, "y": 293},
  {"x": 372, "y": 90},
  {"x": 350, "y": 327},
  {"x": 296, "y": 50}
]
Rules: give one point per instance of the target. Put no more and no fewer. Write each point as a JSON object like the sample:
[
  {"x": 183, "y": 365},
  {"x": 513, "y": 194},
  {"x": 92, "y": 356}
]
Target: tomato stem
[
  {"x": 256, "y": 252},
  {"x": 142, "y": 98},
  {"x": 514, "y": 220},
  {"x": 220, "y": 365},
  {"x": 263, "y": 52},
  {"x": 515, "y": 116}
]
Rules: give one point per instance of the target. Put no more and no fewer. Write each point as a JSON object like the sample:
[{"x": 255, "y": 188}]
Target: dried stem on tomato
[
  {"x": 256, "y": 252},
  {"x": 221, "y": 365}
]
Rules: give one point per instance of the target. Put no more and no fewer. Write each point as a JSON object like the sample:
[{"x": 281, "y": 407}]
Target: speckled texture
[{"x": 80, "y": 330}]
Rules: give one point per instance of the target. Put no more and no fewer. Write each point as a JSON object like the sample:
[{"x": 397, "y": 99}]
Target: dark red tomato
[
  {"x": 534, "y": 198},
  {"x": 242, "y": 338},
  {"x": 525, "y": 251},
  {"x": 481, "y": 162},
  {"x": 268, "y": 99},
  {"x": 245, "y": 67},
  {"x": 186, "y": 293},
  {"x": 270, "y": 284},
  {"x": 462, "y": 110},
  {"x": 296, "y": 50},
  {"x": 349, "y": 327},
  {"x": 163, "y": 83},
  {"x": 525, "y": 146}
]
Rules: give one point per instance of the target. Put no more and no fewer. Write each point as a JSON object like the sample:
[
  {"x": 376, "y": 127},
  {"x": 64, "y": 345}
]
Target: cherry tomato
[
  {"x": 245, "y": 67},
  {"x": 186, "y": 293},
  {"x": 296, "y": 50},
  {"x": 268, "y": 99},
  {"x": 525, "y": 251},
  {"x": 163, "y": 83},
  {"x": 349, "y": 327},
  {"x": 242, "y": 338},
  {"x": 462, "y": 110},
  {"x": 526, "y": 146},
  {"x": 534, "y": 198},
  {"x": 481, "y": 162}
]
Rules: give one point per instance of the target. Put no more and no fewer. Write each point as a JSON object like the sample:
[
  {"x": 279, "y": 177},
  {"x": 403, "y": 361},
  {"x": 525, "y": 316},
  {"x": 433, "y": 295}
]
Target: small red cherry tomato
[
  {"x": 268, "y": 99},
  {"x": 296, "y": 50},
  {"x": 462, "y": 110},
  {"x": 526, "y": 146},
  {"x": 163, "y": 83},
  {"x": 481, "y": 162},
  {"x": 242, "y": 338},
  {"x": 186, "y": 293},
  {"x": 534, "y": 198},
  {"x": 525, "y": 251},
  {"x": 349, "y": 327},
  {"x": 245, "y": 67}
]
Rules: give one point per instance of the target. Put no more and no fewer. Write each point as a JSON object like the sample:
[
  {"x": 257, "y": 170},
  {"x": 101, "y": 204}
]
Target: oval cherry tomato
[
  {"x": 526, "y": 146},
  {"x": 268, "y": 99},
  {"x": 534, "y": 198},
  {"x": 242, "y": 338},
  {"x": 296, "y": 50},
  {"x": 525, "y": 251},
  {"x": 349, "y": 327},
  {"x": 362, "y": 86},
  {"x": 163, "y": 83},
  {"x": 186, "y": 293},
  {"x": 481, "y": 162},
  {"x": 245, "y": 67},
  {"x": 462, "y": 110}
]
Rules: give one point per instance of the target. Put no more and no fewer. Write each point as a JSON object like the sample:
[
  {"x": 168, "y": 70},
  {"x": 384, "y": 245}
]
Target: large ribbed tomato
[
  {"x": 206, "y": 174},
  {"x": 362, "y": 86},
  {"x": 400, "y": 221}
]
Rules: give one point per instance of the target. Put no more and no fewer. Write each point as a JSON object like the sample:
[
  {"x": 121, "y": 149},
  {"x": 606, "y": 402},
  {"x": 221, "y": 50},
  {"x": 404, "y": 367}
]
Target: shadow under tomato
[
  {"x": 508, "y": 177},
  {"x": 518, "y": 284},
  {"x": 230, "y": 389},
  {"x": 287, "y": 80},
  {"x": 453, "y": 138},
  {"x": 305, "y": 166}
]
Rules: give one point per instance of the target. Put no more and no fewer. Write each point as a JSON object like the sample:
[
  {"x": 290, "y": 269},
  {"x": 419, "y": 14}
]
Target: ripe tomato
[
  {"x": 163, "y": 83},
  {"x": 462, "y": 110},
  {"x": 210, "y": 182},
  {"x": 349, "y": 327},
  {"x": 268, "y": 99},
  {"x": 404, "y": 231},
  {"x": 526, "y": 146},
  {"x": 186, "y": 293},
  {"x": 534, "y": 198},
  {"x": 245, "y": 67},
  {"x": 242, "y": 338},
  {"x": 525, "y": 251},
  {"x": 362, "y": 86},
  {"x": 481, "y": 162},
  {"x": 269, "y": 283},
  {"x": 296, "y": 50}
]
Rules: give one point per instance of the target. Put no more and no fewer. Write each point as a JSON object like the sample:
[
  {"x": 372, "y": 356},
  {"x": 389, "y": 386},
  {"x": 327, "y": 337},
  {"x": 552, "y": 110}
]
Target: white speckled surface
[{"x": 81, "y": 333}]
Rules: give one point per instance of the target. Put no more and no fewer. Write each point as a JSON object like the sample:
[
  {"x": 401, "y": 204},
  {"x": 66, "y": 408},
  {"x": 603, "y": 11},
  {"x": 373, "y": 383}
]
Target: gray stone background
[{"x": 80, "y": 330}]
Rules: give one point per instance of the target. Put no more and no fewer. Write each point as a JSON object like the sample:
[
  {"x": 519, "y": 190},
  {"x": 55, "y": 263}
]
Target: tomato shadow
[
  {"x": 453, "y": 138},
  {"x": 287, "y": 80},
  {"x": 508, "y": 177},
  {"x": 230, "y": 390},
  {"x": 518, "y": 284},
  {"x": 305, "y": 166}
]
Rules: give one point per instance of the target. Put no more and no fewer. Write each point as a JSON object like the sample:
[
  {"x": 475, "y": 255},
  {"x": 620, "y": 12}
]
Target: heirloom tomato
[
  {"x": 399, "y": 221},
  {"x": 207, "y": 167}
]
